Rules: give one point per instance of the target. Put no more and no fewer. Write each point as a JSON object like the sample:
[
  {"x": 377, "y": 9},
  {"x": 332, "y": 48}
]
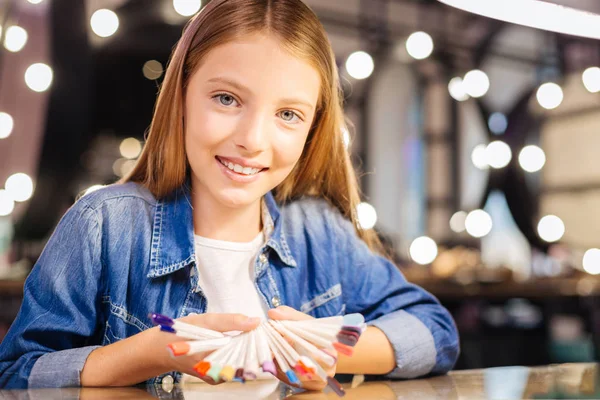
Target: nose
[{"x": 253, "y": 135}]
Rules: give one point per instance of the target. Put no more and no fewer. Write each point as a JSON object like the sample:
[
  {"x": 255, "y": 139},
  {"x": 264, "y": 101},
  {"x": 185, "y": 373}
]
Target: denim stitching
[
  {"x": 332, "y": 293},
  {"x": 122, "y": 314},
  {"x": 273, "y": 284},
  {"x": 156, "y": 233}
]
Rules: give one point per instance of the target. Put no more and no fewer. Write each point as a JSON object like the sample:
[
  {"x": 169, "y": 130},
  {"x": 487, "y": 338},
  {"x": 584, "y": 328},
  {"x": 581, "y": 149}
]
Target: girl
[{"x": 242, "y": 201}]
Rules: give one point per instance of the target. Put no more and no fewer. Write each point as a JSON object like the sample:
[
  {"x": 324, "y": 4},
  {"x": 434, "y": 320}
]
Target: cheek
[
  {"x": 207, "y": 129},
  {"x": 288, "y": 152}
]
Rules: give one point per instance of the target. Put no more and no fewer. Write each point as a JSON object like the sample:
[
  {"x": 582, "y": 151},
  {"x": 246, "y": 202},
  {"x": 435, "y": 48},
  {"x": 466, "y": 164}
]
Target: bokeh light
[
  {"x": 15, "y": 38},
  {"x": 419, "y": 45},
  {"x": 38, "y": 77},
  {"x": 498, "y": 154},
  {"x": 423, "y": 250},
  {"x": 360, "y": 65},
  {"x": 187, "y": 8},
  {"x": 457, "y": 89},
  {"x": 549, "y": 95},
  {"x": 532, "y": 158},
  {"x": 19, "y": 186},
  {"x": 104, "y": 22},
  {"x": 457, "y": 221},
  {"x": 478, "y": 223},
  {"x": 367, "y": 216},
  {"x": 6, "y": 125},
  {"x": 551, "y": 228},
  {"x": 476, "y": 83}
]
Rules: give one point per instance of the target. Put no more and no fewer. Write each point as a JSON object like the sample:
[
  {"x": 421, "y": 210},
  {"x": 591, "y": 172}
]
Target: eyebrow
[{"x": 243, "y": 88}]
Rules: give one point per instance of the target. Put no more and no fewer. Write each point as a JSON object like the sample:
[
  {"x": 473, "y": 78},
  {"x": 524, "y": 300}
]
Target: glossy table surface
[{"x": 564, "y": 381}]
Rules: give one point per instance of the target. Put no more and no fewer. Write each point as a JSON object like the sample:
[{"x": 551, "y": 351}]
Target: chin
[{"x": 237, "y": 198}]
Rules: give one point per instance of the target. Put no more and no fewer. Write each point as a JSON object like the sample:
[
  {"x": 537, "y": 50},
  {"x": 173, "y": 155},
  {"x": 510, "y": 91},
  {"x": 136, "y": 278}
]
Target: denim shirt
[{"x": 119, "y": 254}]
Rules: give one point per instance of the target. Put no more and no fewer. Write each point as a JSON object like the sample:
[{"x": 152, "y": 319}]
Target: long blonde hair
[{"x": 324, "y": 169}]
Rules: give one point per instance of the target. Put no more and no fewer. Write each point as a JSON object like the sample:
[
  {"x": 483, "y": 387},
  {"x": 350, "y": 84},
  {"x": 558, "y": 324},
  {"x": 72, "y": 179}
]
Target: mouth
[{"x": 245, "y": 170}]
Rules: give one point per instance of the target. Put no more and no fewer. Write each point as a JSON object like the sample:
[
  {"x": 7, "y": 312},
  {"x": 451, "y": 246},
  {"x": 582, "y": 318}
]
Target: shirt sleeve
[
  {"x": 48, "y": 343},
  {"x": 421, "y": 331}
]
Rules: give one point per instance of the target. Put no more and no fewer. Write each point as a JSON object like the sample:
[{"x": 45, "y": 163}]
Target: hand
[
  {"x": 288, "y": 313},
  {"x": 216, "y": 322}
]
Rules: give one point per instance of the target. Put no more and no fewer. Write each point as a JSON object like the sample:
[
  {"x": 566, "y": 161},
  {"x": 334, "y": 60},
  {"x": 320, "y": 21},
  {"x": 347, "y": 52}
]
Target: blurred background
[{"x": 475, "y": 125}]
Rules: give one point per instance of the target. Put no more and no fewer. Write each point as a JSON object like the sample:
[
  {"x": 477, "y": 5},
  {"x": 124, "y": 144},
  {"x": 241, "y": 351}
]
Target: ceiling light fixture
[{"x": 536, "y": 14}]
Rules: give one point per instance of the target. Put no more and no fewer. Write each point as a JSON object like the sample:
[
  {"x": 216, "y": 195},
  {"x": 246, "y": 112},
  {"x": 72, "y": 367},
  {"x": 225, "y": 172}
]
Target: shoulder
[
  {"x": 116, "y": 202},
  {"x": 122, "y": 193}
]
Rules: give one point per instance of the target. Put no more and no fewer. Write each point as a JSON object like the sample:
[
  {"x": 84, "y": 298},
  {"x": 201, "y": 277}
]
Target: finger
[
  {"x": 224, "y": 322},
  {"x": 287, "y": 313}
]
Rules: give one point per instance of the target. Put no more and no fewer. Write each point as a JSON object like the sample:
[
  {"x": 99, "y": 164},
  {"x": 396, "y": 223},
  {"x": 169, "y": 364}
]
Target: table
[{"x": 553, "y": 381}]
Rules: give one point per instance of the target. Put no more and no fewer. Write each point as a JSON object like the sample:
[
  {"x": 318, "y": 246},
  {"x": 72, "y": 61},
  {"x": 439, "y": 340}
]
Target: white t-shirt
[{"x": 226, "y": 276}]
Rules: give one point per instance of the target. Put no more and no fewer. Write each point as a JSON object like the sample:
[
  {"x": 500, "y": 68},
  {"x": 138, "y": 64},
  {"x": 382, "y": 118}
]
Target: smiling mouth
[{"x": 237, "y": 168}]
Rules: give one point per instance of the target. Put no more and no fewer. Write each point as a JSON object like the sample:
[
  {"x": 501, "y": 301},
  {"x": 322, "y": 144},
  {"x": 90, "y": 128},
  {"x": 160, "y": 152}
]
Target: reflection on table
[{"x": 564, "y": 381}]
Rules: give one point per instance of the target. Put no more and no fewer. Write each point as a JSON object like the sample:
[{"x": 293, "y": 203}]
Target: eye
[
  {"x": 225, "y": 99},
  {"x": 289, "y": 115}
]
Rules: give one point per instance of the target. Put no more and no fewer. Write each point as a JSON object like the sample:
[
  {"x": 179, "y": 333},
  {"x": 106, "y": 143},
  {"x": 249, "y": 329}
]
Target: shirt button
[
  {"x": 167, "y": 383},
  {"x": 275, "y": 301},
  {"x": 263, "y": 258}
]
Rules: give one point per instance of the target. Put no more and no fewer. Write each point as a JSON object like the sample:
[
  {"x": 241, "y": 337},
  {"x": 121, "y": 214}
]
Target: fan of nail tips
[{"x": 298, "y": 347}]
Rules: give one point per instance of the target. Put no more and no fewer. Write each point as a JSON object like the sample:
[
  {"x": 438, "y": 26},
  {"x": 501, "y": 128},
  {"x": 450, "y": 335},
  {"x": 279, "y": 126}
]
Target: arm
[
  {"x": 373, "y": 355},
  {"x": 420, "y": 331},
  {"x": 128, "y": 361},
  {"x": 48, "y": 342}
]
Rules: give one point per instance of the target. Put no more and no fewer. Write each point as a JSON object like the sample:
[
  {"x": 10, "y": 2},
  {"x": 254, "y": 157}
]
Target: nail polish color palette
[{"x": 298, "y": 348}]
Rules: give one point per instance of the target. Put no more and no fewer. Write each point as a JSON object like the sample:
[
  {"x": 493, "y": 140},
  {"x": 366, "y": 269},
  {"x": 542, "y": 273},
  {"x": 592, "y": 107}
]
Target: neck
[{"x": 233, "y": 224}]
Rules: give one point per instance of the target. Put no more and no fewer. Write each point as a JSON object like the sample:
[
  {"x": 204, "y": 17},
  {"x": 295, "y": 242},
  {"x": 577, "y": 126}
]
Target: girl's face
[{"x": 248, "y": 110}]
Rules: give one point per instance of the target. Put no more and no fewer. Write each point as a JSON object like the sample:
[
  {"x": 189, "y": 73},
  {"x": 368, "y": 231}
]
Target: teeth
[{"x": 239, "y": 169}]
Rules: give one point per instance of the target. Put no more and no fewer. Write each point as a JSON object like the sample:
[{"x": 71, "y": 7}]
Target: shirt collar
[{"x": 173, "y": 233}]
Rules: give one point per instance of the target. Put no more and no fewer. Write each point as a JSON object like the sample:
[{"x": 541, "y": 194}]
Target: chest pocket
[{"x": 326, "y": 304}]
